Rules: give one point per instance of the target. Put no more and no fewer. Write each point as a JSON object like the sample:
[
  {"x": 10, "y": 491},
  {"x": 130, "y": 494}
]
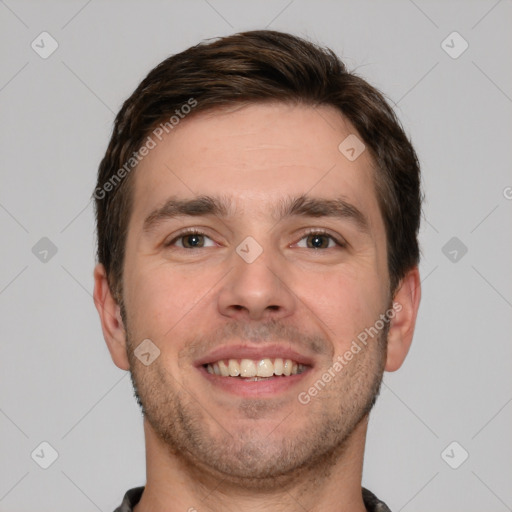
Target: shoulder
[
  {"x": 372, "y": 503},
  {"x": 131, "y": 498}
]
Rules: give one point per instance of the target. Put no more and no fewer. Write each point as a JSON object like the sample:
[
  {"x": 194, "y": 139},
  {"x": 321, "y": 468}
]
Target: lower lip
[{"x": 259, "y": 388}]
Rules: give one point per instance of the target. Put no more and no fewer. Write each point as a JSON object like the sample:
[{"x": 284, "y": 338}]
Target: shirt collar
[{"x": 133, "y": 496}]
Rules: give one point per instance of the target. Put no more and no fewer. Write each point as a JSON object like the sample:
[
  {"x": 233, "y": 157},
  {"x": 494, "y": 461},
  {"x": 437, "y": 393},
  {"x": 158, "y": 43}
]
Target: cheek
[
  {"x": 346, "y": 302},
  {"x": 157, "y": 300}
]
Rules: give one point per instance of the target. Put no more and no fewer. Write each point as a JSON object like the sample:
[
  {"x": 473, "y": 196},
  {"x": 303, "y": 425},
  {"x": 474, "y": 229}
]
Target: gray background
[{"x": 57, "y": 381}]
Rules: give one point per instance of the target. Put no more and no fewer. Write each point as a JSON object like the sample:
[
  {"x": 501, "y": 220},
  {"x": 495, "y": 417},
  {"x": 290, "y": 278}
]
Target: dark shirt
[{"x": 132, "y": 497}]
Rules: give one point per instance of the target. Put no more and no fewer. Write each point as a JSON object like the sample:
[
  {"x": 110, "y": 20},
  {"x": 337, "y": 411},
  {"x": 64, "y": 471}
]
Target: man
[{"x": 257, "y": 211}]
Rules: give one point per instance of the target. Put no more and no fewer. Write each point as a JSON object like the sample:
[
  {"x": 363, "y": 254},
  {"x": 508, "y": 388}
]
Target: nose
[{"x": 258, "y": 290}]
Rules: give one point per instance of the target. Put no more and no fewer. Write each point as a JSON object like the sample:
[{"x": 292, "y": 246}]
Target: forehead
[{"x": 255, "y": 156}]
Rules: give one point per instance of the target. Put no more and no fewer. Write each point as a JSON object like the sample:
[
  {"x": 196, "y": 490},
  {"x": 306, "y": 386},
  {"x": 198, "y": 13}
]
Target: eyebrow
[{"x": 222, "y": 207}]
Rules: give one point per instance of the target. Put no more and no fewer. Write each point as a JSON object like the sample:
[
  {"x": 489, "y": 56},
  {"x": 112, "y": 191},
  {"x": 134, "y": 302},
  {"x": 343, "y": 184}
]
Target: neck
[{"x": 174, "y": 483}]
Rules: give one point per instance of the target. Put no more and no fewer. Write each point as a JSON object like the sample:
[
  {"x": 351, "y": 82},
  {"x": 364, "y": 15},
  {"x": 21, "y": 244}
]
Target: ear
[
  {"x": 405, "y": 305},
  {"x": 110, "y": 316}
]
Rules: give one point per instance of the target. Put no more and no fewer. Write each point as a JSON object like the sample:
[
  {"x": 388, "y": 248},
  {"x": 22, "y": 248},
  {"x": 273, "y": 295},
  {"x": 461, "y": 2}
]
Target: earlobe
[
  {"x": 405, "y": 305},
  {"x": 110, "y": 316}
]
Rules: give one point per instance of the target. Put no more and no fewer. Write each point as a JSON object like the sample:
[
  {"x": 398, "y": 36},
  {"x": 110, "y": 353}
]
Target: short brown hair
[{"x": 251, "y": 67}]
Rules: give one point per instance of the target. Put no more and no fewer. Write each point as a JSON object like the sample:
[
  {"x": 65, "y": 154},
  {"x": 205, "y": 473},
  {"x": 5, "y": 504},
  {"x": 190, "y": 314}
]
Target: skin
[{"x": 207, "y": 448}]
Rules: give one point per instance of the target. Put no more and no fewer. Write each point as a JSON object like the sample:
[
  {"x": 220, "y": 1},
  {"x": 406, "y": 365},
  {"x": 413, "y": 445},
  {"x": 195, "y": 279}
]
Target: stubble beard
[{"x": 246, "y": 457}]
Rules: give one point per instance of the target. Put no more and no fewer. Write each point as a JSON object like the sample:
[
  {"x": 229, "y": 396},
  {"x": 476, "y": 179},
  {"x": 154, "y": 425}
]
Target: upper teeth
[{"x": 250, "y": 368}]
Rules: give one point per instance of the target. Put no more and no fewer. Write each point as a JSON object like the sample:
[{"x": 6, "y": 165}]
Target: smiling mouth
[{"x": 254, "y": 370}]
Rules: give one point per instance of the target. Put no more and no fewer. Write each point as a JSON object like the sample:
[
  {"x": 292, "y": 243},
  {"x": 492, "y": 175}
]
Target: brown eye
[
  {"x": 191, "y": 240},
  {"x": 319, "y": 240}
]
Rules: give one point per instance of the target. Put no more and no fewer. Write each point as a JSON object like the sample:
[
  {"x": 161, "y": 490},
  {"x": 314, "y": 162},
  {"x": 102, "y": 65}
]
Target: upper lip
[{"x": 254, "y": 352}]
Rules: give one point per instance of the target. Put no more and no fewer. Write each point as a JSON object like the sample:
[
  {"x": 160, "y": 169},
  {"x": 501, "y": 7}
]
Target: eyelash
[{"x": 193, "y": 231}]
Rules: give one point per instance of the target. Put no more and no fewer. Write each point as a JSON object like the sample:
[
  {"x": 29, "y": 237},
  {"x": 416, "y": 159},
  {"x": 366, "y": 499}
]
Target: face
[{"x": 282, "y": 258}]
